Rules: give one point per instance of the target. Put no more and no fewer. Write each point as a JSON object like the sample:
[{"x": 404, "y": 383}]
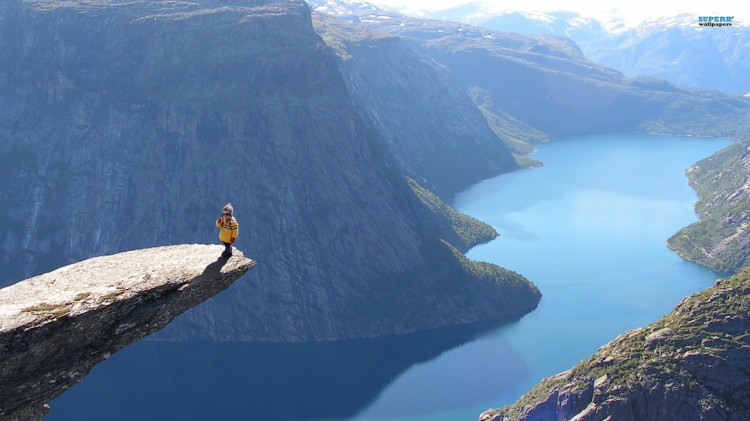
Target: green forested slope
[{"x": 721, "y": 238}]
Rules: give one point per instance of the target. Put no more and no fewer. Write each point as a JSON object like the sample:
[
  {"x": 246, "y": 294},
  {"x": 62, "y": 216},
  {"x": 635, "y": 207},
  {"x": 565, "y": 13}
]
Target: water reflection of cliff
[{"x": 258, "y": 381}]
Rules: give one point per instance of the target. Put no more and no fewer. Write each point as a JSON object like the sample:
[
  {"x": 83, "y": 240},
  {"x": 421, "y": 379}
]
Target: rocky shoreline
[{"x": 692, "y": 364}]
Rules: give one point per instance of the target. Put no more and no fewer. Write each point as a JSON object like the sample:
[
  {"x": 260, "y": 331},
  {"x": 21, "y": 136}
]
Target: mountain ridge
[
  {"x": 719, "y": 240},
  {"x": 428, "y": 124},
  {"x": 688, "y": 365},
  {"x": 673, "y": 48},
  {"x": 130, "y": 126},
  {"x": 532, "y": 88}
]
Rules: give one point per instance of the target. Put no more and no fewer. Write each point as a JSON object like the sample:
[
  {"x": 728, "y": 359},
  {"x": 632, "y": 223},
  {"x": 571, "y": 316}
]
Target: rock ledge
[{"x": 55, "y": 327}]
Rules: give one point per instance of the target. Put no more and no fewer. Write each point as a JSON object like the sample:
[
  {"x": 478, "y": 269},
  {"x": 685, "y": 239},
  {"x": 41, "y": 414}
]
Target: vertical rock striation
[
  {"x": 425, "y": 117},
  {"x": 128, "y": 124}
]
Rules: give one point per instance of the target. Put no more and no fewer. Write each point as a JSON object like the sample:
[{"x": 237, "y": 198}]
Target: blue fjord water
[{"x": 588, "y": 229}]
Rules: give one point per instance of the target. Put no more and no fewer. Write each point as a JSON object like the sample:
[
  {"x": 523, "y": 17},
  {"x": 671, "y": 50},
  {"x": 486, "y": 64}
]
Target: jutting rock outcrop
[
  {"x": 55, "y": 327},
  {"x": 128, "y": 124},
  {"x": 690, "y": 365}
]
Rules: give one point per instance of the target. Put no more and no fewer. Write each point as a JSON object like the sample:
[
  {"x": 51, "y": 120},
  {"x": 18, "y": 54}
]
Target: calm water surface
[{"x": 588, "y": 229}]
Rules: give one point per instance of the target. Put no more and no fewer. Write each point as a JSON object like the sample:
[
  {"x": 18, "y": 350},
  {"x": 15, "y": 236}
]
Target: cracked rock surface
[{"x": 55, "y": 327}]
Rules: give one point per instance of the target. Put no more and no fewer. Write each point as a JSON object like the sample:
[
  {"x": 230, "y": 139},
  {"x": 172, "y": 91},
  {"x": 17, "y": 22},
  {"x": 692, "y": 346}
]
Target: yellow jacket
[{"x": 228, "y": 231}]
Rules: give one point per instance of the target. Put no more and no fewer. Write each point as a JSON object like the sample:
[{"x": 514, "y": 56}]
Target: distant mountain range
[
  {"x": 672, "y": 48},
  {"x": 128, "y": 124},
  {"x": 338, "y": 134},
  {"x": 529, "y": 87}
]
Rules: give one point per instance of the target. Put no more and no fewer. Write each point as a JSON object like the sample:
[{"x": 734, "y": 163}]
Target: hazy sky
[{"x": 629, "y": 9}]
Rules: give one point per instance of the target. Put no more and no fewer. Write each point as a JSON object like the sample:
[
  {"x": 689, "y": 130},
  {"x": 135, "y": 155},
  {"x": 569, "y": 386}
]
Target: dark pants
[{"x": 228, "y": 249}]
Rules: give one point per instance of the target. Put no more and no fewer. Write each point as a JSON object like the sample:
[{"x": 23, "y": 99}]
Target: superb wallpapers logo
[{"x": 714, "y": 21}]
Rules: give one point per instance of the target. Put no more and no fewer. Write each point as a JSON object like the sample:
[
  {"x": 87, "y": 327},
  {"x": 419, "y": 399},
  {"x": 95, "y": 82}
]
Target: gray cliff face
[
  {"x": 55, "y": 327},
  {"x": 690, "y": 365},
  {"x": 129, "y": 126},
  {"x": 536, "y": 87},
  {"x": 427, "y": 120}
]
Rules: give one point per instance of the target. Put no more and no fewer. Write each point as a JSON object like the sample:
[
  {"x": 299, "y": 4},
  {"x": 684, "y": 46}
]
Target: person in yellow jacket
[{"x": 228, "y": 229}]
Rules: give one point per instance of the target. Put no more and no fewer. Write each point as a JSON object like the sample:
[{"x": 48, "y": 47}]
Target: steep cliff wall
[
  {"x": 55, "y": 327},
  {"x": 690, "y": 365},
  {"x": 425, "y": 117},
  {"x": 129, "y": 124},
  {"x": 535, "y": 87}
]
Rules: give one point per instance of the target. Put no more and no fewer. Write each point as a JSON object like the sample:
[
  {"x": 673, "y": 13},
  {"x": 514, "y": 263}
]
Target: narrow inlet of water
[{"x": 588, "y": 228}]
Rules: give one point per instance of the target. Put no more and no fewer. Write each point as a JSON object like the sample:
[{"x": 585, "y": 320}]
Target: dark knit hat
[{"x": 228, "y": 208}]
